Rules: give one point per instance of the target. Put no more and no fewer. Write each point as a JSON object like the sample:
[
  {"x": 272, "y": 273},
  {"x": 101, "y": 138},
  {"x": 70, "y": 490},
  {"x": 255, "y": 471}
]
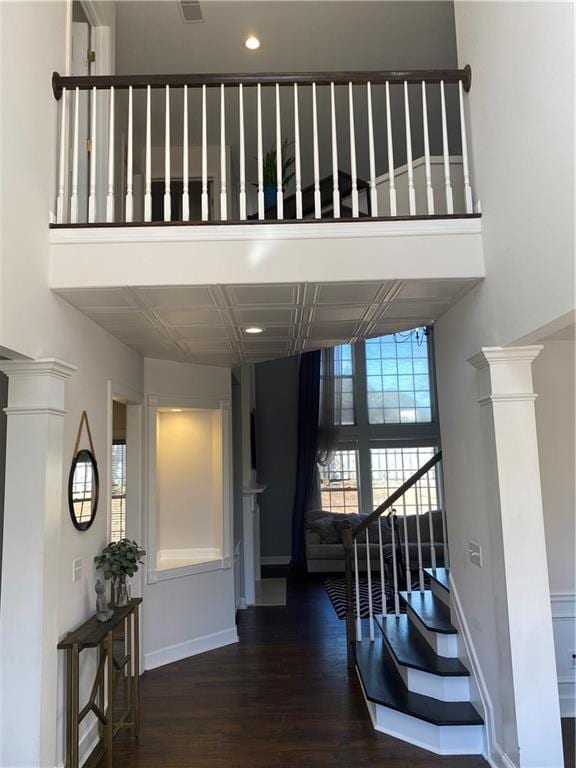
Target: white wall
[
  {"x": 554, "y": 384},
  {"x": 189, "y": 465},
  {"x": 33, "y": 321},
  {"x": 520, "y": 121},
  {"x": 194, "y": 613}
]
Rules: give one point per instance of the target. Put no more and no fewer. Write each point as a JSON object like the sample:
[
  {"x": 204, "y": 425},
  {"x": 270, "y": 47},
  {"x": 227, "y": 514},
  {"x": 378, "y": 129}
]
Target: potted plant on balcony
[
  {"x": 119, "y": 561},
  {"x": 270, "y": 177}
]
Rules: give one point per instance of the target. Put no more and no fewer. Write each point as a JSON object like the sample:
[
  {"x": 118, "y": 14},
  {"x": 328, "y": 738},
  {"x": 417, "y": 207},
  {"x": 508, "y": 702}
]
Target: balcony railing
[{"x": 262, "y": 147}]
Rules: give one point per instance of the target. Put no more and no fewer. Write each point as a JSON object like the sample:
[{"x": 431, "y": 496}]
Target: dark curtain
[{"x": 308, "y": 404}]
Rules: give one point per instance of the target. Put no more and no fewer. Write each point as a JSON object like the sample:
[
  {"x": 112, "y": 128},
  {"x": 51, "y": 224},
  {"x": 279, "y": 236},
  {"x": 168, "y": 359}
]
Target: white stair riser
[
  {"x": 442, "y": 688},
  {"x": 441, "y": 593},
  {"x": 443, "y": 645},
  {"x": 441, "y": 739}
]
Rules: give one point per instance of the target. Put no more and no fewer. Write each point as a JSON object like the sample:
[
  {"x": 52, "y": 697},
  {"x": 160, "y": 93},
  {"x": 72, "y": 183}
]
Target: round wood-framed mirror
[{"x": 83, "y": 489}]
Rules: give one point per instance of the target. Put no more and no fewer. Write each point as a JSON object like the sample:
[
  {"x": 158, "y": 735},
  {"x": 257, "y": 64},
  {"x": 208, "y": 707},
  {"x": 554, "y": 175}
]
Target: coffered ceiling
[{"x": 207, "y": 323}]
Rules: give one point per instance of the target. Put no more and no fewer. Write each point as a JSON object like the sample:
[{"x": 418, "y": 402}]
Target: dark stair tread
[
  {"x": 383, "y": 685},
  {"x": 440, "y": 576},
  {"x": 431, "y": 611},
  {"x": 409, "y": 648}
]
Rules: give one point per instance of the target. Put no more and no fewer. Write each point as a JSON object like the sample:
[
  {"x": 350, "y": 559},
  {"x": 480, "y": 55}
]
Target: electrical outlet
[
  {"x": 77, "y": 569},
  {"x": 475, "y": 553}
]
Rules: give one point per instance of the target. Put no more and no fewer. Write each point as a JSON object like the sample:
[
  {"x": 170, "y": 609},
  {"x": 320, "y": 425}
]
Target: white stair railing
[
  {"x": 302, "y": 151},
  {"x": 418, "y": 497}
]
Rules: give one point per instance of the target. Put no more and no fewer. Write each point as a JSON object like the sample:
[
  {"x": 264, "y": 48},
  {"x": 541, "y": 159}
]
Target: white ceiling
[{"x": 206, "y": 323}]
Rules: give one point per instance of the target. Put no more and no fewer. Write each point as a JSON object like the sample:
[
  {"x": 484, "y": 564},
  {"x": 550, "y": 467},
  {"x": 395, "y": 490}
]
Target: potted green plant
[
  {"x": 270, "y": 176},
  {"x": 119, "y": 561}
]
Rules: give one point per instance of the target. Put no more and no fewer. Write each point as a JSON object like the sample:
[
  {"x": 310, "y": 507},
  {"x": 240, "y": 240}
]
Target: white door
[{"x": 81, "y": 67}]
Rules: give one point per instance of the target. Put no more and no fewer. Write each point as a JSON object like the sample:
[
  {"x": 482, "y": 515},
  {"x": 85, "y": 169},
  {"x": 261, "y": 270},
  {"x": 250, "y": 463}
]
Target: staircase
[
  {"x": 415, "y": 687},
  {"x": 407, "y": 659}
]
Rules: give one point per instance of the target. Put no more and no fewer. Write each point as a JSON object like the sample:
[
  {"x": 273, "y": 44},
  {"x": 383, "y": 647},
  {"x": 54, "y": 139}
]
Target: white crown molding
[
  {"x": 287, "y": 231},
  {"x": 36, "y": 410}
]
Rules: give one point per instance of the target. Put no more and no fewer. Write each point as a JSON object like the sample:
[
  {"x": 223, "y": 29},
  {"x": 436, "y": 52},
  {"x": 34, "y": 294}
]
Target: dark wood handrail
[
  {"x": 264, "y": 78},
  {"x": 396, "y": 495}
]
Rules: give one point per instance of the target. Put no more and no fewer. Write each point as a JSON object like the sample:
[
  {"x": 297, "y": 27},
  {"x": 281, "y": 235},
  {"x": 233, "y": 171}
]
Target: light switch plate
[
  {"x": 475, "y": 553},
  {"x": 77, "y": 569}
]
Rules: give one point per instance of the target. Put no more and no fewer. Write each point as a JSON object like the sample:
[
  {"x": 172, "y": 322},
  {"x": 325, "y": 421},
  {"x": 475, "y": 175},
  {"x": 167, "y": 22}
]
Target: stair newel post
[
  {"x": 350, "y": 624},
  {"x": 431, "y": 523},
  {"x": 382, "y": 570},
  {"x": 394, "y": 562},
  {"x": 418, "y": 499},
  {"x": 369, "y": 576}
]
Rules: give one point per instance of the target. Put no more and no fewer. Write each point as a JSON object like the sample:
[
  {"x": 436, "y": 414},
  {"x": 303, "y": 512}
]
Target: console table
[{"x": 118, "y": 647}]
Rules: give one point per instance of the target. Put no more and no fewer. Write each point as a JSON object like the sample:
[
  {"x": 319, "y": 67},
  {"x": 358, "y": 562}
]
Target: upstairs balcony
[{"x": 269, "y": 186}]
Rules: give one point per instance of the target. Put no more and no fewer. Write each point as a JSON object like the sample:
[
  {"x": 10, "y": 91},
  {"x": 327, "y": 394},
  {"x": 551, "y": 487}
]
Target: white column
[
  {"x": 513, "y": 478},
  {"x": 30, "y": 561}
]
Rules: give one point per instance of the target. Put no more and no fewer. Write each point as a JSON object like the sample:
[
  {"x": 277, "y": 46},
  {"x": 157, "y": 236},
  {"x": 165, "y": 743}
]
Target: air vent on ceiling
[{"x": 191, "y": 11}]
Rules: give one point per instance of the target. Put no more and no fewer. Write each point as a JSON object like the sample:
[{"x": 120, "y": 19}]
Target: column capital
[
  {"x": 49, "y": 366},
  {"x": 505, "y": 373},
  {"x": 489, "y": 356}
]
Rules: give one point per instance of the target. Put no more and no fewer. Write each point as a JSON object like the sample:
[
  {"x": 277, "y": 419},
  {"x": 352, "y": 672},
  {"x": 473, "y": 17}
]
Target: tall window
[
  {"x": 118, "y": 521},
  {"x": 398, "y": 379},
  {"x": 391, "y": 467},
  {"x": 388, "y": 426},
  {"x": 339, "y": 483}
]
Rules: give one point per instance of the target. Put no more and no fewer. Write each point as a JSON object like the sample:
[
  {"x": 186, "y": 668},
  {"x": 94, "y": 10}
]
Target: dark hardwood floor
[{"x": 280, "y": 697}]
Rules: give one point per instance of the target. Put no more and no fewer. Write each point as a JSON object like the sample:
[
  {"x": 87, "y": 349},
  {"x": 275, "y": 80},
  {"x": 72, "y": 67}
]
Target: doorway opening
[{"x": 119, "y": 472}]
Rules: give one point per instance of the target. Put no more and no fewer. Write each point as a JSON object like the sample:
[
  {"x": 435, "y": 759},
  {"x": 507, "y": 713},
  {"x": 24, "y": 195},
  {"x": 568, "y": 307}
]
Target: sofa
[{"x": 325, "y": 552}]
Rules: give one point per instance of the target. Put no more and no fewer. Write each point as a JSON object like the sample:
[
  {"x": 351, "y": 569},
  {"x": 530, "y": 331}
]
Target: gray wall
[
  {"x": 3, "y": 404},
  {"x": 276, "y": 448}
]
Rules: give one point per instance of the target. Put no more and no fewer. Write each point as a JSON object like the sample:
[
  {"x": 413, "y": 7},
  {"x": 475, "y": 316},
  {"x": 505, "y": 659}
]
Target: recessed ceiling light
[
  {"x": 252, "y": 43},
  {"x": 254, "y": 329}
]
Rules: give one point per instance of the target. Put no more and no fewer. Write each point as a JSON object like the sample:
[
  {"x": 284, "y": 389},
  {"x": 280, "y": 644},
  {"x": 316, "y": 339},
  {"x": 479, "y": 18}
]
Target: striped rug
[{"x": 336, "y": 588}]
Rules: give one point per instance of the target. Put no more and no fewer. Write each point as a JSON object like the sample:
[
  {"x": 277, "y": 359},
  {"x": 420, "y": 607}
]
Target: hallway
[{"x": 280, "y": 697}]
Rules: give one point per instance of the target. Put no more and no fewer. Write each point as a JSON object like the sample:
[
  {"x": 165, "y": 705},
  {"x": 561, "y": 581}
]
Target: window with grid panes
[{"x": 390, "y": 417}]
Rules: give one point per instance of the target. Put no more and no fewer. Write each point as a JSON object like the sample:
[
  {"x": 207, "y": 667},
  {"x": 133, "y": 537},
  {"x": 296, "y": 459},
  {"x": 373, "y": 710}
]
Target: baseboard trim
[
  {"x": 493, "y": 752},
  {"x": 567, "y": 694},
  {"x": 86, "y": 745},
  {"x": 179, "y": 651},
  {"x": 275, "y": 560}
]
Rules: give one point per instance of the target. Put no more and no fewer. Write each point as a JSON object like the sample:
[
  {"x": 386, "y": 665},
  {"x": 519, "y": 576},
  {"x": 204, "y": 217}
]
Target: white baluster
[
  {"x": 185, "y": 162},
  {"x": 297, "y": 161},
  {"x": 390, "y": 153},
  {"x": 411, "y": 192},
  {"x": 317, "y": 195},
  {"x": 428, "y": 170},
  {"x": 406, "y": 548},
  {"x": 335, "y": 175},
  {"x": 60, "y": 201},
  {"x": 204, "y": 159},
  {"x": 447, "y": 182},
  {"x": 223, "y": 196},
  {"x": 279, "y": 179},
  {"x": 261, "y": 213},
  {"x": 371, "y": 155},
  {"x": 167, "y": 180},
  {"x": 74, "y": 195},
  {"x": 110, "y": 196},
  {"x": 431, "y": 523},
  {"x": 467, "y": 187},
  {"x": 394, "y": 563},
  {"x": 353, "y": 170},
  {"x": 129, "y": 212},
  {"x": 369, "y": 575},
  {"x": 242, "y": 156},
  {"x": 148, "y": 162},
  {"x": 382, "y": 570},
  {"x": 92, "y": 193},
  {"x": 357, "y": 583},
  {"x": 419, "y": 536}
]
